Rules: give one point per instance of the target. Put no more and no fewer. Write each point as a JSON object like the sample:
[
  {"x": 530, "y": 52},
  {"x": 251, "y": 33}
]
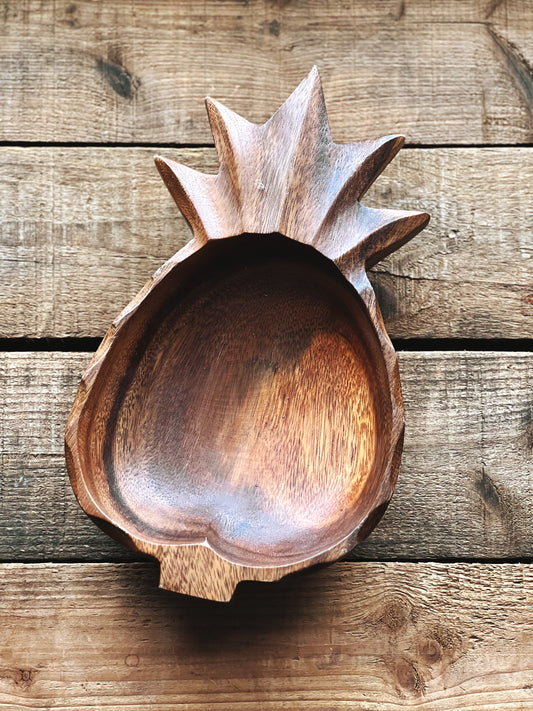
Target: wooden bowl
[{"x": 242, "y": 418}]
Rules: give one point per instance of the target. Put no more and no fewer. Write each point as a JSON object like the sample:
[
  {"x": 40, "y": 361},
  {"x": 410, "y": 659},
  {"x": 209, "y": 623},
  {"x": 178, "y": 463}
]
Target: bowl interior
[{"x": 245, "y": 402}]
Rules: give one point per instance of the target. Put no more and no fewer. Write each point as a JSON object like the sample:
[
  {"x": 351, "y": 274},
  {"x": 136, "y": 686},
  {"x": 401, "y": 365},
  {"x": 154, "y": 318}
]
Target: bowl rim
[{"x": 168, "y": 550}]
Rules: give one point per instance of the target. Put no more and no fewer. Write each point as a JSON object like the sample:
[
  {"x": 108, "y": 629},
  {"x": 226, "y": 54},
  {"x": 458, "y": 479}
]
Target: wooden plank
[
  {"x": 358, "y": 636},
  {"x": 102, "y": 71},
  {"x": 83, "y": 229},
  {"x": 465, "y": 489}
]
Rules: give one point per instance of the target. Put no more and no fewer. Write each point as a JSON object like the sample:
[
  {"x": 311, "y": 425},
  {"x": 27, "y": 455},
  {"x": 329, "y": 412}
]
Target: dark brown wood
[
  {"x": 354, "y": 637},
  {"x": 243, "y": 417}
]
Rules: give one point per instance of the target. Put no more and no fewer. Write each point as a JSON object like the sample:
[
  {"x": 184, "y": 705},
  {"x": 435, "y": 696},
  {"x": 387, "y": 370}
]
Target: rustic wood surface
[
  {"x": 106, "y": 72},
  {"x": 358, "y": 636},
  {"x": 82, "y": 227},
  {"x": 468, "y": 275},
  {"x": 466, "y": 479}
]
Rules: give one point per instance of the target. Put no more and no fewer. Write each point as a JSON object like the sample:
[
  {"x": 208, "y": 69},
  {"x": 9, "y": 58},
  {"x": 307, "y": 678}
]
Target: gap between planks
[
  {"x": 90, "y": 344},
  {"x": 184, "y": 146}
]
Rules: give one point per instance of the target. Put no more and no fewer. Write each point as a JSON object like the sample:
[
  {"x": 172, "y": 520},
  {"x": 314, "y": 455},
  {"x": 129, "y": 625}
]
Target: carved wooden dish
[{"x": 243, "y": 417}]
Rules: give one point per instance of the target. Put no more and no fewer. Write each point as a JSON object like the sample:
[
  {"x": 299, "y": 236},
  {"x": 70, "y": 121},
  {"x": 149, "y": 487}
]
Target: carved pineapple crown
[{"x": 288, "y": 176}]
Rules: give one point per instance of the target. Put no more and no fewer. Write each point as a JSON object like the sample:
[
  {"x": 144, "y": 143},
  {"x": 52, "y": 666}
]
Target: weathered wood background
[{"x": 435, "y": 610}]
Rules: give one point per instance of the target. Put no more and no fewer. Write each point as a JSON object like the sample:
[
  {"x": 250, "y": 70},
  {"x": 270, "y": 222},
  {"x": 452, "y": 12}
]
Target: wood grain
[
  {"x": 465, "y": 488},
  {"x": 355, "y": 636},
  {"x": 358, "y": 636},
  {"x": 98, "y": 71},
  {"x": 207, "y": 422},
  {"x": 225, "y": 441},
  {"x": 469, "y": 275}
]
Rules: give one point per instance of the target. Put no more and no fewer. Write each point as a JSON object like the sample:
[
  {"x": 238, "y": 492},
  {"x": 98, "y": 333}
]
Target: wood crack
[{"x": 519, "y": 68}]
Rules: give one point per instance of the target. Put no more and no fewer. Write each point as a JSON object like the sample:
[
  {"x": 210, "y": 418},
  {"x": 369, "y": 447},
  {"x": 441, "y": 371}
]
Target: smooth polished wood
[
  {"x": 354, "y": 636},
  {"x": 243, "y": 416},
  {"x": 465, "y": 487},
  {"x": 98, "y": 71},
  {"x": 61, "y": 240}
]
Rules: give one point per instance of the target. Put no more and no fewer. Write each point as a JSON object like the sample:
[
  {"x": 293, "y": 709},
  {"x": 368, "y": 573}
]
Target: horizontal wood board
[
  {"x": 82, "y": 229},
  {"x": 465, "y": 489},
  {"x": 358, "y": 636},
  {"x": 440, "y": 73}
]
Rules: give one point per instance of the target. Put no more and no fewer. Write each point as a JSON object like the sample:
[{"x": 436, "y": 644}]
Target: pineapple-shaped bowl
[{"x": 242, "y": 418}]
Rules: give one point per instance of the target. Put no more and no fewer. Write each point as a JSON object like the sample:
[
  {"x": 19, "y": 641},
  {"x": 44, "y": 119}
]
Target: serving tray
[{"x": 242, "y": 418}]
